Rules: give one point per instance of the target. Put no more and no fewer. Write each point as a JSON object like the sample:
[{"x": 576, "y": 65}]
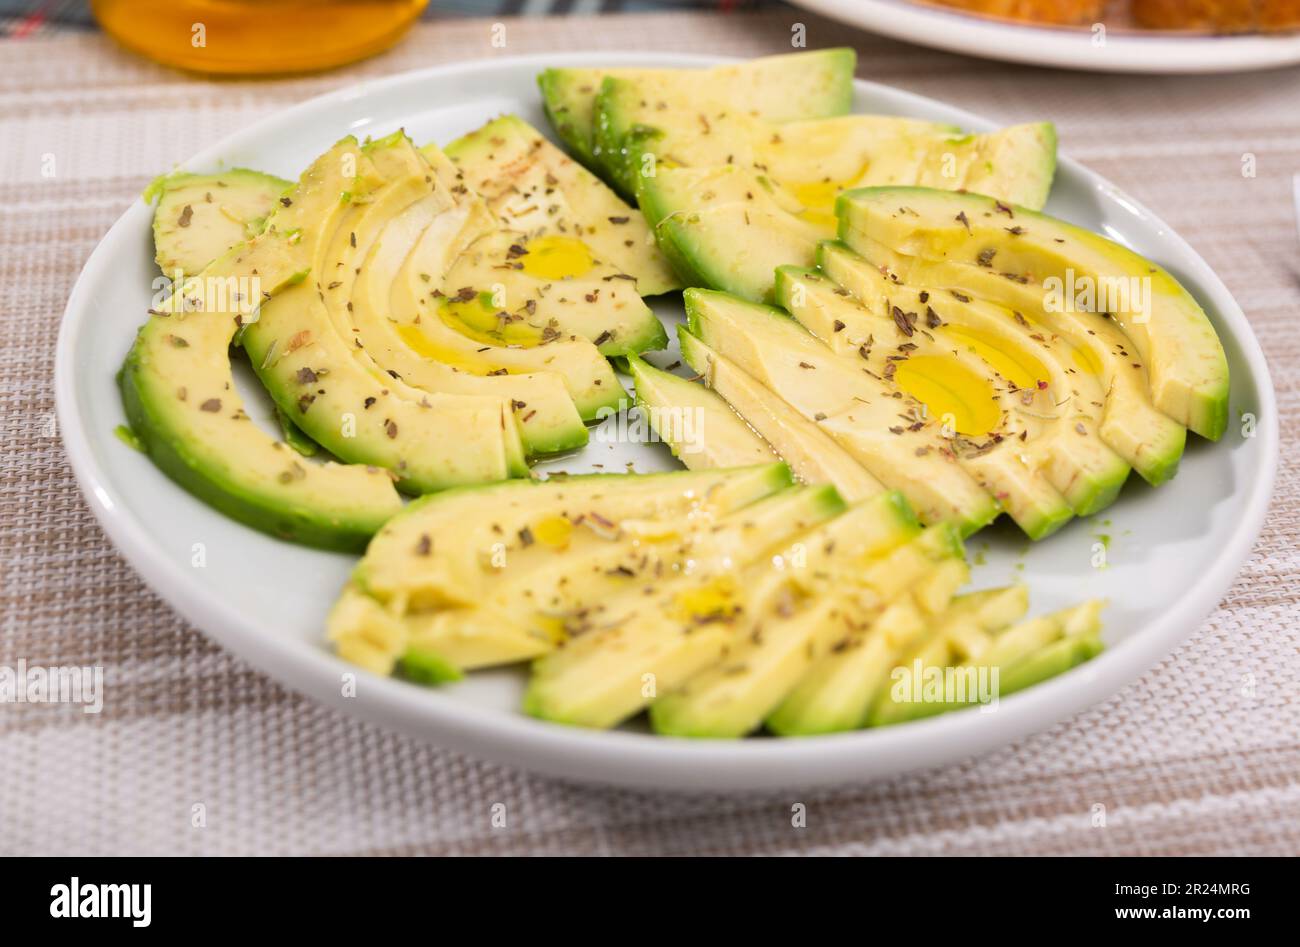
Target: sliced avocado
[
  {"x": 886, "y": 432},
  {"x": 818, "y": 159},
  {"x": 995, "y": 428},
  {"x": 201, "y": 216},
  {"x": 450, "y": 553},
  {"x": 548, "y": 419},
  {"x": 968, "y": 622},
  {"x": 1006, "y": 659},
  {"x": 427, "y": 667},
  {"x": 813, "y": 455},
  {"x": 180, "y": 398},
  {"x": 836, "y": 692},
  {"x": 800, "y": 621},
  {"x": 1056, "y": 396},
  {"x": 450, "y": 330},
  {"x": 642, "y": 645},
  {"x": 533, "y": 186},
  {"x": 339, "y": 395},
  {"x": 294, "y": 436},
  {"x": 701, "y": 429},
  {"x": 1019, "y": 258},
  {"x": 727, "y": 228},
  {"x": 775, "y": 88}
]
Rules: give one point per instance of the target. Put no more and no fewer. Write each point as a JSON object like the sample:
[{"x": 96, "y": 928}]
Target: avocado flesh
[
  {"x": 855, "y": 409},
  {"x": 837, "y": 690},
  {"x": 419, "y": 315},
  {"x": 1056, "y": 390},
  {"x": 547, "y": 417},
  {"x": 774, "y": 88},
  {"x": 804, "y": 617},
  {"x": 181, "y": 402},
  {"x": 426, "y": 575},
  {"x": 818, "y": 159},
  {"x": 531, "y": 185},
  {"x": 1174, "y": 341},
  {"x": 813, "y": 455},
  {"x": 201, "y": 216},
  {"x": 1022, "y": 655},
  {"x": 548, "y": 593},
  {"x": 699, "y": 427},
  {"x": 1029, "y": 439},
  {"x": 968, "y": 621},
  {"x": 727, "y": 228},
  {"x": 1147, "y": 439},
  {"x": 648, "y": 644},
  {"x": 953, "y": 385},
  {"x": 343, "y": 399}
]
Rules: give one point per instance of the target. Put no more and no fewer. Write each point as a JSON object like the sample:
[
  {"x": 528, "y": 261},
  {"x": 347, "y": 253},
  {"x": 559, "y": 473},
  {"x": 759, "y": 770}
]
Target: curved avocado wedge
[
  {"x": 182, "y": 404},
  {"x": 775, "y": 88},
  {"x": 647, "y": 643},
  {"x": 976, "y": 411},
  {"x": 452, "y": 571},
  {"x": 390, "y": 226},
  {"x": 884, "y": 431},
  {"x": 201, "y": 216},
  {"x": 813, "y": 455},
  {"x": 915, "y": 582},
  {"x": 1055, "y": 390},
  {"x": 531, "y": 185},
  {"x": 801, "y": 617},
  {"x": 701, "y": 429},
  {"x": 1024, "y": 260},
  {"x": 338, "y": 395}
]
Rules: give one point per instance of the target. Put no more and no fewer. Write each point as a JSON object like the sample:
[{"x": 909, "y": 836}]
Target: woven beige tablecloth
[{"x": 1180, "y": 760}]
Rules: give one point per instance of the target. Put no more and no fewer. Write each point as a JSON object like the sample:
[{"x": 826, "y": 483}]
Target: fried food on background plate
[
  {"x": 1223, "y": 16},
  {"x": 1064, "y": 12}
]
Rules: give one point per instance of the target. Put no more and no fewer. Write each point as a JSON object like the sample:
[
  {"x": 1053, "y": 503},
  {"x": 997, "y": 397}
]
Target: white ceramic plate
[
  {"x": 1062, "y": 47},
  {"x": 1172, "y": 551}
]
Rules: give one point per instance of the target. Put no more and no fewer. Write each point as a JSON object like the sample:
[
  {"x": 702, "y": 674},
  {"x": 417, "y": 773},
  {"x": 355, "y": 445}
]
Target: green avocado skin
[{"x": 171, "y": 458}]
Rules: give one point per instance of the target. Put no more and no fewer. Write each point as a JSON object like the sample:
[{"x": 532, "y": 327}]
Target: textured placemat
[{"x": 1188, "y": 760}]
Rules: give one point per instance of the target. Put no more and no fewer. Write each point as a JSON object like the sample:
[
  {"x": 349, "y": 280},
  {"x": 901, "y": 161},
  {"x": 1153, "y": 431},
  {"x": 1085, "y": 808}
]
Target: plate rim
[
  {"x": 964, "y": 33},
  {"x": 626, "y": 758}
]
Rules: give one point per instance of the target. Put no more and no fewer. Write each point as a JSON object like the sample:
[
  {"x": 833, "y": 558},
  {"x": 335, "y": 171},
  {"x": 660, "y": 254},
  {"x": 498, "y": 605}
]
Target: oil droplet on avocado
[
  {"x": 818, "y": 200},
  {"x": 1018, "y": 367},
  {"x": 553, "y": 531},
  {"x": 947, "y": 387},
  {"x": 557, "y": 257},
  {"x": 425, "y": 347},
  {"x": 716, "y": 599},
  {"x": 481, "y": 321}
]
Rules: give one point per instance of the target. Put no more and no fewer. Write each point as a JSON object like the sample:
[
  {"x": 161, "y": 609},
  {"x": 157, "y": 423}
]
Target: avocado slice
[
  {"x": 547, "y": 417},
  {"x": 838, "y": 689},
  {"x": 201, "y": 216},
  {"x": 531, "y": 185},
  {"x": 698, "y": 426},
  {"x": 1019, "y": 258},
  {"x": 431, "y": 570},
  {"x": 1057, "y": 387},
  {"x": 886, "y": 432},
  {"x": 182, "y": 405},
  {"x": 778, "y": 88},
  {"x": 819, "y": 158},
  {"x": 800, "y": 620},
  {"x": 813, "y": 455},
  {"x": 727, "y": 227},
  {"x": 643, "y": 644},
  {"x": 337, "y": 393},
  {"x": 1031, "y": 440},
  {"x": 1020, "y": 656}
]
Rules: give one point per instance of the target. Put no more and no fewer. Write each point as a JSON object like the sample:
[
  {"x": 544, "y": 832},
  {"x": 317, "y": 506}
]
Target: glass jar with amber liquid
[{"x": 256, "y": 36}]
